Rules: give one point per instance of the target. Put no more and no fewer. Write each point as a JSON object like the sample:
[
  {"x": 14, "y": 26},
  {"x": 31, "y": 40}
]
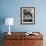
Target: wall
[{"x": 11, "y": 8}]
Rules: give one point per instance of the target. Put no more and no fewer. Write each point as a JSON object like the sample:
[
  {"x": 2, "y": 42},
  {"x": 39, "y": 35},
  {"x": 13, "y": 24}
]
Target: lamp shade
[{"x": 9, "y": 21}]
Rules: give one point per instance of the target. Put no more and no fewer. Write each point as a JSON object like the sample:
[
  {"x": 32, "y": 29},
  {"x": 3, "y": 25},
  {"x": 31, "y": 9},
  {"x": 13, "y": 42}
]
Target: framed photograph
[{"x": 27, "y": 15}]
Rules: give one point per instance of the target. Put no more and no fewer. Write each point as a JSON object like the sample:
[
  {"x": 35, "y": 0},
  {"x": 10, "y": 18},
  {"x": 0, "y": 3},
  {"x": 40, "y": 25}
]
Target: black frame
[{"x": 30, "y": 12}]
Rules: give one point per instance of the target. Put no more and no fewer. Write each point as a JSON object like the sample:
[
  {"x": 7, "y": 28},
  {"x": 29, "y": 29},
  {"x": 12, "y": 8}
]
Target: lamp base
[{"x": 9, "y": 33}]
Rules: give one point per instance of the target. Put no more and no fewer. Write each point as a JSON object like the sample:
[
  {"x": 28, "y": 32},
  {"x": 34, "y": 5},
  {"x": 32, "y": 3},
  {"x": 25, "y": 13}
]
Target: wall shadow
[{"x": 2, "y": 21}]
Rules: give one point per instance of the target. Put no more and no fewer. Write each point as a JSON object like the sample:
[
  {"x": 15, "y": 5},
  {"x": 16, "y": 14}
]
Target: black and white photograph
[{"x": 27, "y": 15}]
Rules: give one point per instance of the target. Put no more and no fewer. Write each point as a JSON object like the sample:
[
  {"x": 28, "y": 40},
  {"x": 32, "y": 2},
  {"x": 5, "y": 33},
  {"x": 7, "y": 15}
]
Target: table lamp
[{"x": 9, "y": 21}]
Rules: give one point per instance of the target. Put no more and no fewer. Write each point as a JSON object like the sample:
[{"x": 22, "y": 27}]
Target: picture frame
[{"x": 27, "y": 15}]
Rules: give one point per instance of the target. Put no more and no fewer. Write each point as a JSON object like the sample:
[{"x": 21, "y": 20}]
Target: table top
[{"x": 22, "y": 35}]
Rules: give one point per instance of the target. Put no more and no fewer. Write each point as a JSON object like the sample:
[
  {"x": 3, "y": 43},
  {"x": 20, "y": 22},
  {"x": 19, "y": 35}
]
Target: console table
[{"x": 21, "y": 39}]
